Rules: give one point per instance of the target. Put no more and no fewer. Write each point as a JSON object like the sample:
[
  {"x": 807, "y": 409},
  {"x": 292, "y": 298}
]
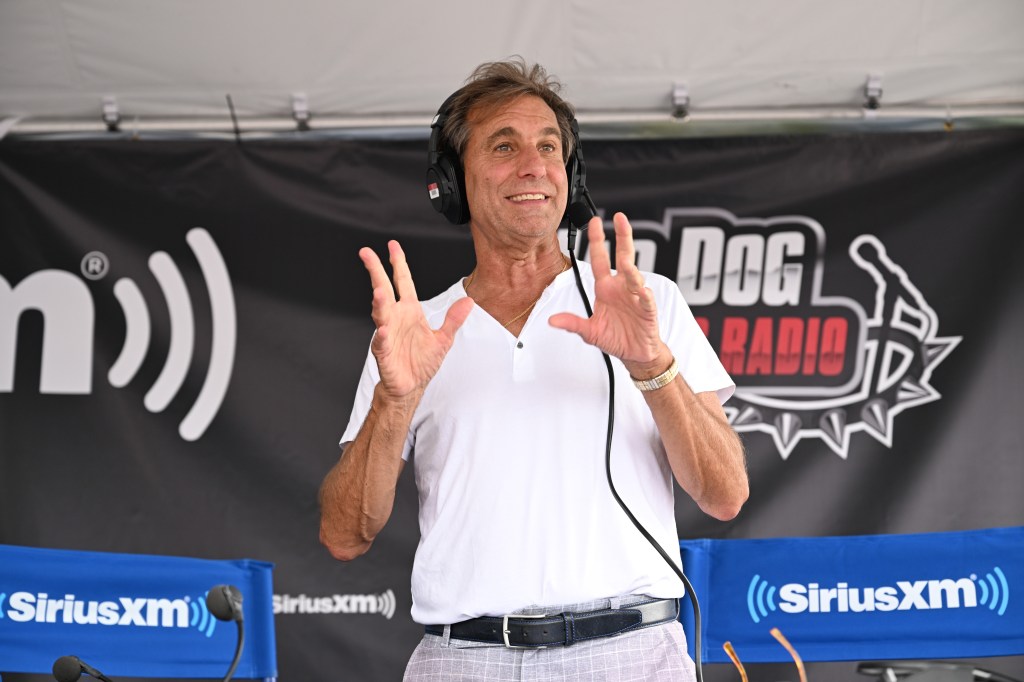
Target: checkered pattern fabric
[{"x": 651, "y": 654}]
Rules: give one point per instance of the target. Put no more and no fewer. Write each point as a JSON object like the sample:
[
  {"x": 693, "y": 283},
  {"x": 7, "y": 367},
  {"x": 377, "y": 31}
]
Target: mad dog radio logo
[
  {"x": 69, "y": 315},
  {"x": 806, "y": 365}
]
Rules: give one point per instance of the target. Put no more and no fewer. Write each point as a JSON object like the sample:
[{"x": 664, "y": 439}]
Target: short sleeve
[{"x": 698, "y": 362}]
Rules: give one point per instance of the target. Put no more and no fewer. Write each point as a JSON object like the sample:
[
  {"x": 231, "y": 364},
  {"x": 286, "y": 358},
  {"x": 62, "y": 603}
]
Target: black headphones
[{"x": 446, "y": 183}]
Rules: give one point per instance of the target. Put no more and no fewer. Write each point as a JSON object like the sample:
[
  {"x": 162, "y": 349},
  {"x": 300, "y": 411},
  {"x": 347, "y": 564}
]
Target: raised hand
[
  {"x": 407, "y": 350},
  {"x": 625, "y": 320}
]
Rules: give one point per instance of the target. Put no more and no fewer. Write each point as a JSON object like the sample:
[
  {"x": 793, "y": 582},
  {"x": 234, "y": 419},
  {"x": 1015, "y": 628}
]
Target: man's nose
[{"x": 531, "y": 163}]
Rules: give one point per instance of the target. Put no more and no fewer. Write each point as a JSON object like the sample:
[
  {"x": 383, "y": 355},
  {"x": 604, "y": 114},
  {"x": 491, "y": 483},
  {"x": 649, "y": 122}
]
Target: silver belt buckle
[{"x": 505, "y": 631}]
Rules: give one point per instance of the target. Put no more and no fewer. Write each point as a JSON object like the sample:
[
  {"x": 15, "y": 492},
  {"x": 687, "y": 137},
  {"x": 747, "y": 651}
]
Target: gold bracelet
[{"x": 660, "y": 381}]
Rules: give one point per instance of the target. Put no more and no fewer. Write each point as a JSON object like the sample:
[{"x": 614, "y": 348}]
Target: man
[{"x": 500, "y": 387}]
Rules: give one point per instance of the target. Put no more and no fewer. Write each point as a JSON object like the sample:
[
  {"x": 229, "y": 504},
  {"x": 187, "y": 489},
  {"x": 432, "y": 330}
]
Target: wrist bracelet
[{"x": 663, "y": 379}]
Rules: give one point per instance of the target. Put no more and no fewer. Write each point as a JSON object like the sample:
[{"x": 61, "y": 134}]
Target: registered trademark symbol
[{"x": 95, "y": 265}]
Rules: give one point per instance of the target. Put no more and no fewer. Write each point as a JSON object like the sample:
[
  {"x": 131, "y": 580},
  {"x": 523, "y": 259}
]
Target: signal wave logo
[
  {"x": 764, "y": 599},
  {"x": 996, "y": 599},
  {"x": 38, "y": 607},
  {"x": 69, "y": 313},
  {"x": 760, "y": 593},
  {"x": 202, "y": 619}
]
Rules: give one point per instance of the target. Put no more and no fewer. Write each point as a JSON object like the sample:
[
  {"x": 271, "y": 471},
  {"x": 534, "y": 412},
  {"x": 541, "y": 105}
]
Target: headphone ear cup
[
  {"x": 446, "y": 183},
  {"x": 456, "y": 208},
  {"x": 446, "y": 187}
]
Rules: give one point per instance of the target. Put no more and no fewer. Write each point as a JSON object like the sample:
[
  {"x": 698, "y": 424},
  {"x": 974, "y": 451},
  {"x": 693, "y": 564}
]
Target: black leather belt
[{"x": 561, "y": 629}]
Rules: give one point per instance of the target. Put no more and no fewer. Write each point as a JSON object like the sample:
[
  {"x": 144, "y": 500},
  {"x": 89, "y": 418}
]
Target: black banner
[{"x": 182, "y": 324}]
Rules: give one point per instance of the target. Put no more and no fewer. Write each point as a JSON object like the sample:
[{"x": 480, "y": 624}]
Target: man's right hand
[
  {"x": 358, "y": 493},
  {"x": 407, "y": 350}
]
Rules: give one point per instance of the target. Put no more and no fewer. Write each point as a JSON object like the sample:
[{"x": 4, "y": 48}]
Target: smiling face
[{"x": 515, "y": 173}]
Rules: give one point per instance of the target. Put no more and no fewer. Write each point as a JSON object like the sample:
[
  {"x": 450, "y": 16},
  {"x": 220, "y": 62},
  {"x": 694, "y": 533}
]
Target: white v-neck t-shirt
[{"x": 509, "y": 456}]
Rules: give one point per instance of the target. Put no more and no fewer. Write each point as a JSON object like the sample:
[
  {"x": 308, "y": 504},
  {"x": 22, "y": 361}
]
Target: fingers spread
[
  {"x": 569, "y": 322},
  {"x": 599, "y": 259},
  {"x": 456, "y": 315},
  {"x": 625, "y": 253},
  {"x": 383, "y": 300},
  {"x": 400, "y": 268},
  {"x": 378, "y": 277},
  {"x": 646, "y": 297}
]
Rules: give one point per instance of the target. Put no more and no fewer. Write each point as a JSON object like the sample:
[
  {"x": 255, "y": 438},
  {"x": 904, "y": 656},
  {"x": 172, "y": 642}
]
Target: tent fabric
[{"x": 162, "y": 59}]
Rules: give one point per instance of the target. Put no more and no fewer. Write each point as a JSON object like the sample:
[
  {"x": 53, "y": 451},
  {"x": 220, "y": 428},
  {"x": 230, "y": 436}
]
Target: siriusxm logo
[
  {"x": 39, "y": 607},
  {"x": 383, "y": 604},
  {"x": 905, "y": 595},
  {"x": 68, "y": 311}
]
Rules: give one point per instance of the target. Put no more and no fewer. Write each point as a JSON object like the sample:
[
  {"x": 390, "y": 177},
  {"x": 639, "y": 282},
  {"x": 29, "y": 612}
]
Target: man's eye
[{"x": 503, "y": 147}]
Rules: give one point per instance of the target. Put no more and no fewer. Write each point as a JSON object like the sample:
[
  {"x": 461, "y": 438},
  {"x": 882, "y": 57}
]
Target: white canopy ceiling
[{"x": 387, "y": 62}]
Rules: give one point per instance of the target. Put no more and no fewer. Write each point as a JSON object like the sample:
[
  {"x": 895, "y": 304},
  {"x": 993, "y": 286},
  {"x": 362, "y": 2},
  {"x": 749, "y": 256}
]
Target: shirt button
[{"x": 519, "y": 345}]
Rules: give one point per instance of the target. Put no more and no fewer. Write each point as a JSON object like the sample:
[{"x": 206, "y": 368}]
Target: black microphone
[
  {"x": 70, "y": 668},
  {"x": 225, "y": 603}
]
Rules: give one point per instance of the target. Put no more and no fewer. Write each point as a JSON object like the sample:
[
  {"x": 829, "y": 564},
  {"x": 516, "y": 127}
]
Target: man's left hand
[{"x": 625, "y": 320}]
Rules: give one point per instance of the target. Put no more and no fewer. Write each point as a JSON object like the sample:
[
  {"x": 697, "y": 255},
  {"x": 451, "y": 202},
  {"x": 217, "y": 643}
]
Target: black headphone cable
[{"x": 608, "y": 468}]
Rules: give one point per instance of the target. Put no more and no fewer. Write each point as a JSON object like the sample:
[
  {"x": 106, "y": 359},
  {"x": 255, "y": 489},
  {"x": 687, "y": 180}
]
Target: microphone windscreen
[
  {"x": 224, "y": 602},
  {"x": 582, "y": 210},
  {"x": 67, "y": 669}
]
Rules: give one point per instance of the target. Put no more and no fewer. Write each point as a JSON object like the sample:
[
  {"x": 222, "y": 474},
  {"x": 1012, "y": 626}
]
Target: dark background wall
[{"x": 96, "y": 470}]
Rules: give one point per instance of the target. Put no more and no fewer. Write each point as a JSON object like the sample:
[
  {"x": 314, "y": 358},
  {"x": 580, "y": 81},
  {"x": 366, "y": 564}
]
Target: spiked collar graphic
[{"x": 898, "y": 350}]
